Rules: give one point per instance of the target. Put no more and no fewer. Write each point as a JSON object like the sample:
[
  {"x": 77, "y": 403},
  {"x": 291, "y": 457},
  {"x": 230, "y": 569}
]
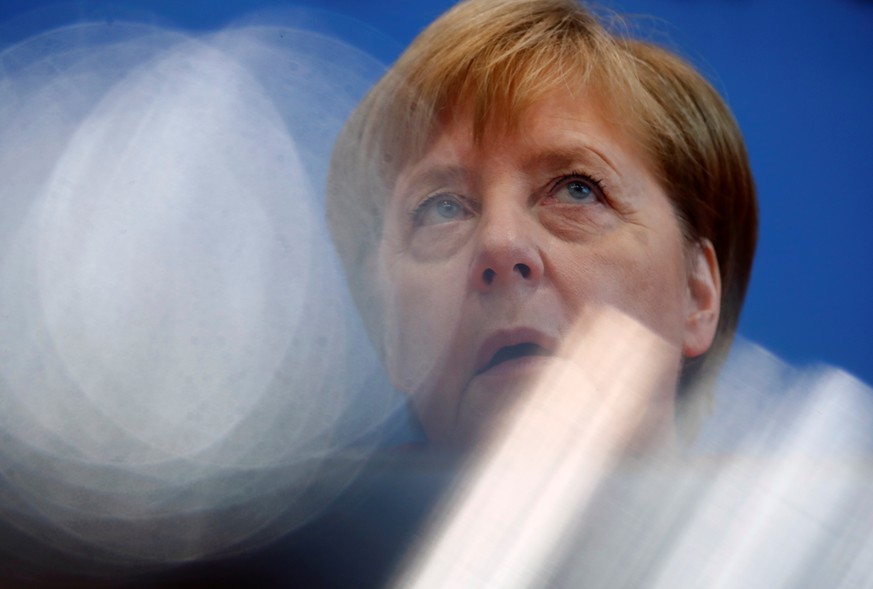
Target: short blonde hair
[{"x": 500, "y": 56}]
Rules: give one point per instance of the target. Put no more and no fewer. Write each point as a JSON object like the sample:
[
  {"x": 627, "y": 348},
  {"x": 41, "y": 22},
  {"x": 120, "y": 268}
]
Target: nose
[{"x": 507, "y": 251}]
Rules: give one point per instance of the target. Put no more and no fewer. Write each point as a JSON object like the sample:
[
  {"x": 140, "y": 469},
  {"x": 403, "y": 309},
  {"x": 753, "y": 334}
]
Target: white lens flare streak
[{"x": 775, "y": 494}]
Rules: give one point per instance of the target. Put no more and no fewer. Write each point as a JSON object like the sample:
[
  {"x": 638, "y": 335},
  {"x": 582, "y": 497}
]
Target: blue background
[{"x": 799, "y": 78}]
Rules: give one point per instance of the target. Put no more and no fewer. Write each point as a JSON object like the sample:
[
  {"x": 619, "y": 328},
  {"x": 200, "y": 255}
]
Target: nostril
[
  {"x": 488, "y": 275},
  {"x": 522, "y": 269}
]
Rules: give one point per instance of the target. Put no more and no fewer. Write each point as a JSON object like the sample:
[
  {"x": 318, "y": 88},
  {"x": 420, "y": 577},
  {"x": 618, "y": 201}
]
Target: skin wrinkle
[{"x": 585, "y": 256}]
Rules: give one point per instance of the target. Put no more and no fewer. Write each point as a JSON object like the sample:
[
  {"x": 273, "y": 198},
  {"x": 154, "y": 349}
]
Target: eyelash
[{"x": 567, "y": 178}]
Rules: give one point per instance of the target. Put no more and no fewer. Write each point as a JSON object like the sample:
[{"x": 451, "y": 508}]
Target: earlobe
[{"x": 703, "y": 305}]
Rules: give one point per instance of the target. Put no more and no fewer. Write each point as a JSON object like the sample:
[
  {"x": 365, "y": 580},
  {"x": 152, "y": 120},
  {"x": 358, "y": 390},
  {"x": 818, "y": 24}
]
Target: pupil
[
  {"x": 578, "y": 190},
  {"x": 447, "y": 209}
]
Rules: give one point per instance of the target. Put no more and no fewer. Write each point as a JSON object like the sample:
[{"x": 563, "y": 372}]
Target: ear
[{"x": 703, "y": 300}]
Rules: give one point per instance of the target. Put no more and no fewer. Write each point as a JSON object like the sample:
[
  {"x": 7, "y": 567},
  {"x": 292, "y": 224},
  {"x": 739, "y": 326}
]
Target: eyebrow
[
  {"x": 435, "y": 175},
  {"x": 560, "y": 156},
  {"x": 566, "y": 155}
]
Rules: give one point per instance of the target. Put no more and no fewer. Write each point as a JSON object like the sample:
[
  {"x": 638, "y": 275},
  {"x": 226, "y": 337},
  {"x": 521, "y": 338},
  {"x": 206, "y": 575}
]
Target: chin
[{"x": 491, "y": 401}]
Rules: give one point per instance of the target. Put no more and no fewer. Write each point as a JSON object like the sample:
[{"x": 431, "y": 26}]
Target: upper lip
[{"x": 512, "y": 337}]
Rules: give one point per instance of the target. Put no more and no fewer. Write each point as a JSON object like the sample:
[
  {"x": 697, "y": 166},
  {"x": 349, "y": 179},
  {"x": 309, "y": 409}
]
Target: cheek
[
  {"x": 422, "y": 318},
  {"x": 634, "y": 273},
  {"x": 657, "y": 285}
]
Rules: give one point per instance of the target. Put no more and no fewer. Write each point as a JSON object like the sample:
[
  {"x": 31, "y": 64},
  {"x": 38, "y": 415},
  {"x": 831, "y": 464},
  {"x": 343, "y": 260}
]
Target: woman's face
[{"x": 491, "y": 252}]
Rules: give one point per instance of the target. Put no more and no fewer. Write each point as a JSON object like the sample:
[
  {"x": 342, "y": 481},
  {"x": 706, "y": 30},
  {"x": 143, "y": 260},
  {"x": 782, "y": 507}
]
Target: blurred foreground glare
[
  {"x": 177, "y": 355},
  {"x": 777, "y": 493}
]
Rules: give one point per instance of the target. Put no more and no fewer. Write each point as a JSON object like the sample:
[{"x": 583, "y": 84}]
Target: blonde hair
[{"x": 500, "y": 56}]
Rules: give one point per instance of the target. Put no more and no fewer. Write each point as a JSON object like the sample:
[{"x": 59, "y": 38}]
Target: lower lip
[
  {"x": 516, "y": 368},
  {"x": 492, "y": 392}
]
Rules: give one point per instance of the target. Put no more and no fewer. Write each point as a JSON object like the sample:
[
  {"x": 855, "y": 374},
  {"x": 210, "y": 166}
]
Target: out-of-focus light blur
[
  {"x": 776, "y": 493},
  {"x": 178, "y": 354}
]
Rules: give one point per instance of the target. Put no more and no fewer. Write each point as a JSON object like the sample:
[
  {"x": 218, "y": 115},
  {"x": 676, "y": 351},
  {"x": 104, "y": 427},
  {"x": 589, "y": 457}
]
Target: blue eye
[
  {"x": 577, "y": 191},
  {"x": 448, "y": 209},
  {"x": 440, "y": 208}
]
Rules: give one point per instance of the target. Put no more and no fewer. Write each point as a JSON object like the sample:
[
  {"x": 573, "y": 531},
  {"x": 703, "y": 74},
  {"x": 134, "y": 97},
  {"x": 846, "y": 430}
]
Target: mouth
[
  {"x": 514, "y": 352},
  {"x": 512, "y": 345}
]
